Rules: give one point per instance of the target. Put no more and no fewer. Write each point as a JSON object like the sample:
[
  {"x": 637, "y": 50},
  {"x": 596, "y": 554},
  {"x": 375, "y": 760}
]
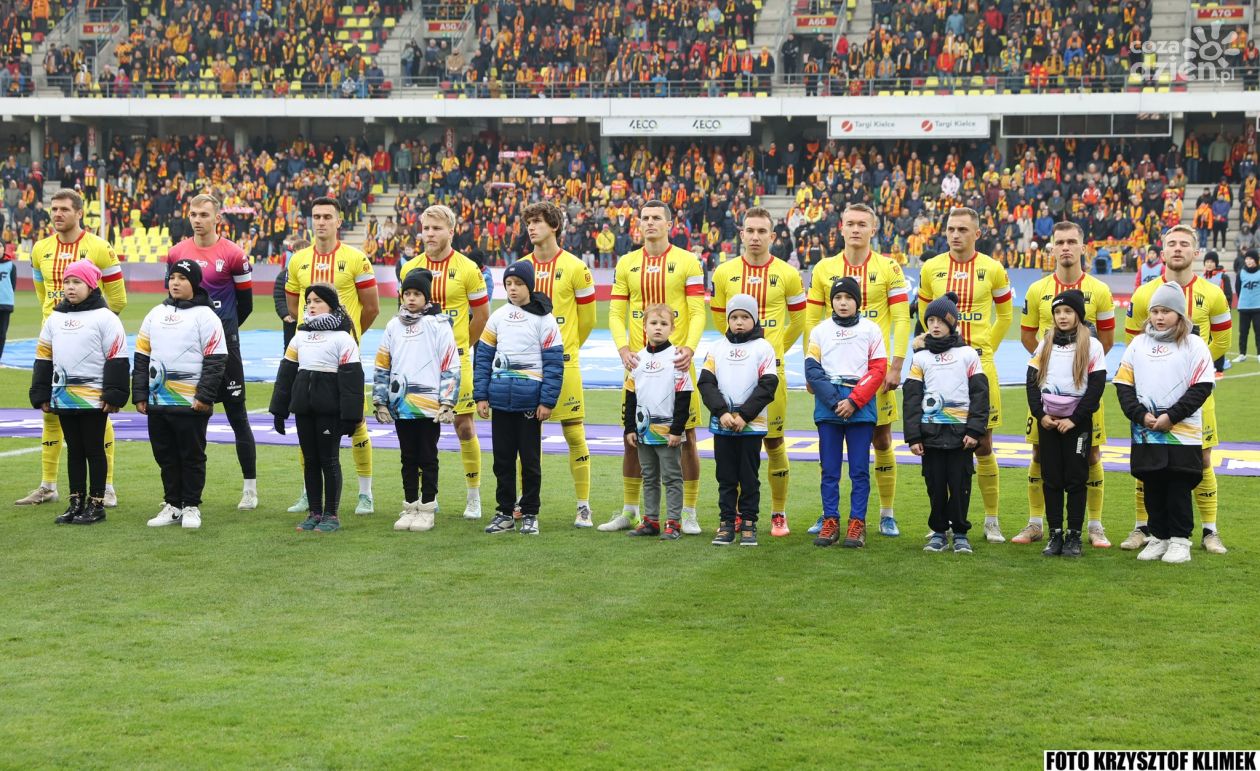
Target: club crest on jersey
[
  {"x": 774, "y": 281},
  {"x": 559, "y": 274},
  {"x": 341, "y": 265},
  {"x": 980, "y": 274},
  {"x": 872, "y": 278},
  {"x": 669, "y": 268},
  {"x": 1198, "y": 300}
]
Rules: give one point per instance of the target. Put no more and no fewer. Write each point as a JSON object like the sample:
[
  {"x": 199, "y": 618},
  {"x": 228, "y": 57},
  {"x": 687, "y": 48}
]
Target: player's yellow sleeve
[
  {"x": 1005, "y": 313},
  {"x": 1222, "y": 325},
  {"x": 37, "y": 279},
  {"x": 112, "y": 285},
  {"x": 796, "y": 312},
  {"x": 584, "y": 297},
  {"x": 815, "y": 302},
  {"x": 718, "y": 305},
  {"x": 618, "y": 308},
  {"x": 291, "y": 285},
  {"x": 899, "y": 312},
  {"x": 695, "y": 305},
  {"x": 1031, "y": 316},
  {"x": 925, "y": 289},
  {"x": 1136, "y": 318}
]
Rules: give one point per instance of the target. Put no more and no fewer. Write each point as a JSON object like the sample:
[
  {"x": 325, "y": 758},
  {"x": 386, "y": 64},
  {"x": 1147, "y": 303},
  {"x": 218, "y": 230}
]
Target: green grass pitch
[{"x": 246, "y": 644}]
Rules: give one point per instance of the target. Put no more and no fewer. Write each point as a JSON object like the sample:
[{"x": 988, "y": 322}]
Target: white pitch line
[{"x": 23, "y": 451}]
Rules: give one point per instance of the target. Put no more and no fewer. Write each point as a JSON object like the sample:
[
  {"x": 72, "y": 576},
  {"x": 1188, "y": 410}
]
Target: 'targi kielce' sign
[
  {"x": 676, "y": 127},
  {"x": 909, "y": 127}
]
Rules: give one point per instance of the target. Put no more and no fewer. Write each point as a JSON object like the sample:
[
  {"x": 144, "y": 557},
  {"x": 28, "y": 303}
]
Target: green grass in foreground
[{"x": 247, "y": 644}]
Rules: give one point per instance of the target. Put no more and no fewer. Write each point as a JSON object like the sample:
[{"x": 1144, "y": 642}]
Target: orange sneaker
[
  {"x": 830, "y": 532},
  {"x": 778, "y": 525},
  {"x": 856, "y": 537}
]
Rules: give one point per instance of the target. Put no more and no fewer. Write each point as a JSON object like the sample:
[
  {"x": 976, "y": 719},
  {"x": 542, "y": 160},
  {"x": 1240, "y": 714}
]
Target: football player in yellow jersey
[
  {"x": 50, "y": 256},
  {"x": 776, "y": 286},
  {"x": 659, "y": 273},
  {"x": 885, "y": 301},
  {"x": 567, "y": 281},
  {"x": 328, "y": 261},
  {"x": 1210, "y": 316},
  {"x": 984, "y": 306},
  {"x": 1067, "y": 245},
  {"x": 460, "y": 289}
]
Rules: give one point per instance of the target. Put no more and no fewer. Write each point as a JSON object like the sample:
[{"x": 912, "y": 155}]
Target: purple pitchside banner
[{"x": 1231, "y": 458}]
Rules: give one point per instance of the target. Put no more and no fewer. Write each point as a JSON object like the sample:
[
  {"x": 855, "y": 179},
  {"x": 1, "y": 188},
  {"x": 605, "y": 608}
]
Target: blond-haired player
[
  {"x": 1067, "y": 246},
  {"x": 49, "y": 258},
  {"x": 460, "y": 289},
  {"x": 328, "y": 261},
  {"x": 658, "y": 273},
  {"x": 985, "y": 313},
  {"x": 885, "y": 301},
  {"x": 567, "y": 281},
  {"x": 776, "y": 286},
  {"x": 1211, "y": 319}
]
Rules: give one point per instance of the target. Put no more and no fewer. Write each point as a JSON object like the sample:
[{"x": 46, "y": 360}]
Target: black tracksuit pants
[
  {"x": 1064, "y": 471},
  {"x": 947, "y": 474},
  {"x": 320, "y": 439},
  {"x": 84, "y": 434},
  {"x": 517, "y": 435},
  {"x": 418, "y": 445},
  {"x": 178, "y": 440},
  {"x": 1170, "y": 502},
  {"x": 738, "y": 461}
]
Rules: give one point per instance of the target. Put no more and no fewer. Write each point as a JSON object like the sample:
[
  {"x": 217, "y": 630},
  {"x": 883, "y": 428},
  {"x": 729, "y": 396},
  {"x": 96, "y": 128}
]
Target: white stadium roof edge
[{"x": 995, "y": 106}]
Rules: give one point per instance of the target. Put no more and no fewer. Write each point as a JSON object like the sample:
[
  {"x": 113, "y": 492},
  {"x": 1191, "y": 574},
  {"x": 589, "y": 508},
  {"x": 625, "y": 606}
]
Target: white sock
[
  {"x": 1210, "y": 527},
  {"x": 1035, "y": 521},
  {"x": 50, "y": 485},
  {"x": 990, "y": 520},
  {"x": 365, "y": 486},
  {"x": 587, "y": 504},
  {"x": 885, "y": 513},
  {"x": 778, "y": 514},
  {"x": 1094, "y": 524},
  {"x": 109, "y": 488},
  {"x": 250, "y": 486},
  {"x": 689, "y": 511},
  {"x": 1139, "y": 524},
  {"x": 631, "y": 510},
  {"x": 474, "y": 495}
]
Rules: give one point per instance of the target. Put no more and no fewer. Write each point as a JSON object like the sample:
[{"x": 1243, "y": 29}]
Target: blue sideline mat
[{"x": 601, "y": 366}]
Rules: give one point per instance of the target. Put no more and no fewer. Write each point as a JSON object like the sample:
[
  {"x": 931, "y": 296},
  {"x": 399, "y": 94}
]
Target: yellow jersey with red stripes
[
  {"x": 1209, "y": 313},
  {"x": 776, "y": 286},
  {"x": 50, "y": 257},
  {"x": 458, "y": 287},
  {"x": 641, "y": 280},
  {"x": 885, "y": 296},
  {"x": 1100, "y": 308},
  {"x": 347, "y": 269},
  {"x": 568, "y": 282},
  {"x": 984, "y": 296}
]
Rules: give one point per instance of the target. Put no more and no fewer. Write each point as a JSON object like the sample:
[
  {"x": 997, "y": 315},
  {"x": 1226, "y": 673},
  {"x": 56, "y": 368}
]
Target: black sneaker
[
  {"x": 92, "y": 513},
  {"x": 748, "y": 533},
  {"x": 672, "y": 531},
  {"x": 73, "y": 510},
  {"x": 1055, "y": 547},
  {"x": 725, "y": 534},
  {"x": 646, "y": 527},
  {"x": 1072, "y": 544}
]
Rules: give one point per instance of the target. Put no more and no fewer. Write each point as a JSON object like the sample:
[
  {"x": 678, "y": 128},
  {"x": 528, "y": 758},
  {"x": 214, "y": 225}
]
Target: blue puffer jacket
[{"x": 518, "y": 363}]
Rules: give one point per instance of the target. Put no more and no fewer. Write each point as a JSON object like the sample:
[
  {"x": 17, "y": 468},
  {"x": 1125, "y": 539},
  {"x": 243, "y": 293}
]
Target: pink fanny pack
[{"x": 1059, "y": 406}]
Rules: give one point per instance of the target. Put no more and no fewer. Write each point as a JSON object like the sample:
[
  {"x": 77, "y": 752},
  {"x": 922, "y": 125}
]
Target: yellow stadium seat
[
  {"x": 390, "y": 22},
  {"x": 1135, "y": 79},
  {"x": 932, "y": 82},
  {"x": 899, "y": 93},
  {"x": 1164, "y": 90},
  {"x": 342, "y": 36},
  {"x": 762, "y": 95},
  {"x": 1148, "y": 90},
  {"x": 977, "y": 80},
  {"x": 884, "y": 93},
  {"x": 741, "y": 45},
  {"x": 990, "y": 92},
  {"x": 347, "y": 10},
  {"x": 1164, "y": 76}
]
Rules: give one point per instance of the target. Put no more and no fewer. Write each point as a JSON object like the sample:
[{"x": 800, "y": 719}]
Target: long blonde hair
[{"x": 1080, "y": 360}]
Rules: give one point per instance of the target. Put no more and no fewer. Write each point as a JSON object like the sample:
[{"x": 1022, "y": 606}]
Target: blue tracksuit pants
[{"x": 832, "y": 438}]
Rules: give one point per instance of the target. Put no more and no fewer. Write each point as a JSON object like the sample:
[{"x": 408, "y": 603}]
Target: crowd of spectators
[
  {"x": 237, "y": 48},
  {"x": 637, "y": 48},
  {"x": 23, "y": 25},
  {"x": 1015, "y": 45}
]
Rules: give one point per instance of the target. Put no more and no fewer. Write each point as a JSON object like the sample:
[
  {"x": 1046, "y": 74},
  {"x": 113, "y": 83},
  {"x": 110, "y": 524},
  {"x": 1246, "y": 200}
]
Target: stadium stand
[{"x": 23, "y": 26}]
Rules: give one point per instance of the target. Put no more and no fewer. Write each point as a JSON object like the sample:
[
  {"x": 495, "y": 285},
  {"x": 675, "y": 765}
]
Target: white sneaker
[
  {"x": 1212, "y": 543},
  {"x": 407, "y": 516},
  {"x": 472, "y": 510},
  {"x": 1178, "y": 550},
  {"x": 249, "y": 501},
  {"x": 37, "y": 496},
  {"x": 190, "y": 518},
  {"x": 993, "y": 533},
  {"x": 619, "y": 522},
  {"x": 691, "y": 523},
  {"x": 169, "y": 515},
  {"x": 1155, "y": 549},
  {"x": 111, "y": 498},
  {"x": 583, "y": 517},
  {"x": 1136, "y": 540},
  {"x": 1241, "y": 358},
  {"x": 424, "y": 516}
]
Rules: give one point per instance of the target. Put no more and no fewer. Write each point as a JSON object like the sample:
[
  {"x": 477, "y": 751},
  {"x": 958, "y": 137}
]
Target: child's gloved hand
[
  {"x": 446, "y": 414},
  {"x": 277, "y": 423},
  {"x": 382, "y": 415}
]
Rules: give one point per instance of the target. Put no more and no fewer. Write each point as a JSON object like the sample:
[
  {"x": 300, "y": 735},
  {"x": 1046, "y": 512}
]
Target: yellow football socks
[
  {"x": 1094, "y": 492},
  {"x": 691, "y": 493},
  {"x": 50, "y": 455},
  {"x": 1036, "y": 492},
  {"x": 987, "y": 479},
  {"x": 778, "y": 466},
  {"x": 470, "y": 454},
  {"x": 579, "y": 459},
  {"x": 361, "y": 449},
  {"x": 886, "y": 477},
  {"x": 631, "y": 491},
  {"x": 1205, "y": 498}
]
